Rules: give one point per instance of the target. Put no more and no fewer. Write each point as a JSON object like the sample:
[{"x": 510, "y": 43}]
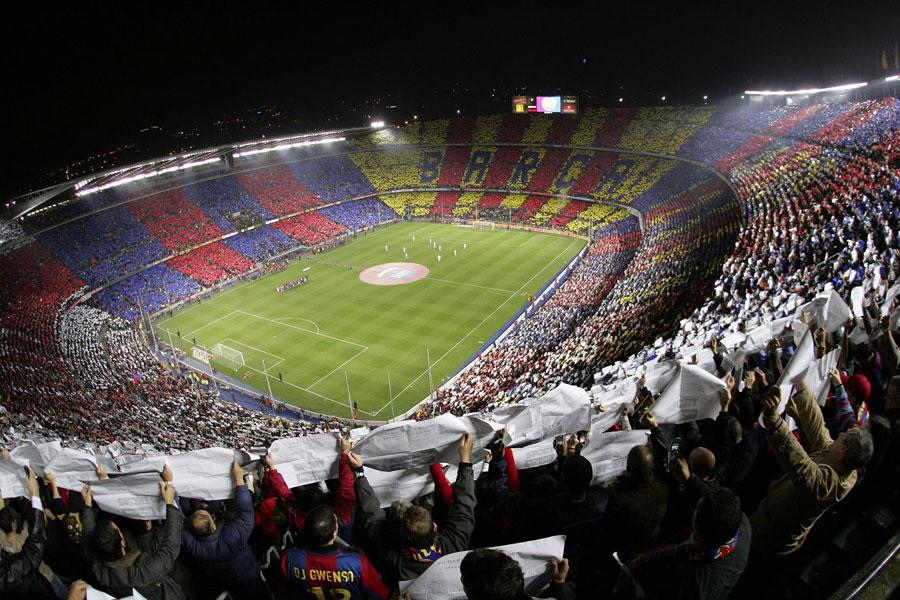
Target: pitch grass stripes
[{"x": 337, "y": 324}]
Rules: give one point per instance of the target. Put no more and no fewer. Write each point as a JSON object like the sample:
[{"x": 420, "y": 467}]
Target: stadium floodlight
[
  {"x": 140, "y": 176},
  {"x": 376, "y": 124},
  {"x": 246, "y": 153},
  {"x": 806, "y": 92}
]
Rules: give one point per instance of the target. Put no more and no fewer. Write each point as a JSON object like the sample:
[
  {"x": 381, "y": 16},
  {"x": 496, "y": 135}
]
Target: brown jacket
[{"x": 811, "y": 484}]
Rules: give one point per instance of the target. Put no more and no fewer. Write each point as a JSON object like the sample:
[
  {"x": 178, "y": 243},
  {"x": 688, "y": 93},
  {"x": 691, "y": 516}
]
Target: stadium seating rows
[
  {"x": 677, "y": 233},
  {"x": 811, "y": 204}
]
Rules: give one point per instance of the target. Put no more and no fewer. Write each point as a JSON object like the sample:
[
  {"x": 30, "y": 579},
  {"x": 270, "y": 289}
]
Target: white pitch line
[
  {"x": 443, "y": 356},
  {"x": 190, "y": 333},
  {"x": 337, "y": 368},
  {"x": 213, "y": 298},
  {"x": 304, "y": 330},
  {"x": 302, "y": 389},
  {"x": 237, "y": 343},
  {"x": 299, "y": 319},
  {"x": 484, "y": 287},
  {"x": 421, "y": 229}
]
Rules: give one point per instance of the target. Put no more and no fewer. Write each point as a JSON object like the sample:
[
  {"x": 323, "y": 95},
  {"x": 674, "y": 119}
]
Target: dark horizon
[{"x": 88, "y": 83}]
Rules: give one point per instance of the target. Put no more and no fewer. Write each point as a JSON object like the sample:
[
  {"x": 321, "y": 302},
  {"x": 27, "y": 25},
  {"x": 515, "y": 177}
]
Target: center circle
[{"x": 395, "y": 273}]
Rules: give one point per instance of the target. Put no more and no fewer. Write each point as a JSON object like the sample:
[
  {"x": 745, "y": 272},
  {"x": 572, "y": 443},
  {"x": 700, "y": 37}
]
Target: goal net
[{"x": 234, "y": 357}]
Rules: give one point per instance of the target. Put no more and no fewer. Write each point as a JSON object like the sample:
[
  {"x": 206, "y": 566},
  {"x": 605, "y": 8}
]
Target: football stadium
[{"x": 651, "y": 347}]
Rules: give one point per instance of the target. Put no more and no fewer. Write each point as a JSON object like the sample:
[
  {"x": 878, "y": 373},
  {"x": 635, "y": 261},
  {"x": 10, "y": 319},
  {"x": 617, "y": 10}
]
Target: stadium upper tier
[{"x": 694, "y": 212}]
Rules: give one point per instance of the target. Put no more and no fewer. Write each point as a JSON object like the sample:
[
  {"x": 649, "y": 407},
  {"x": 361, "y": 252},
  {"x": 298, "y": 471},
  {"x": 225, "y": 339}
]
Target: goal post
[{"x": 235, "y": 357}]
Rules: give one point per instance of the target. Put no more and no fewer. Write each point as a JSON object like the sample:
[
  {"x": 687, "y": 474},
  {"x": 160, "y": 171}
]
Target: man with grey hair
[{"x": 812, "y": 482}]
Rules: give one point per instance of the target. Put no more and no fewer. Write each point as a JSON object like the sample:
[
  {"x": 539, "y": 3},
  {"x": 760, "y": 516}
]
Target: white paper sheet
[
  {"x": 692, "y": 395},
  {"x": 613, "y": 401},
  {"x": 659, "y": 375},
  {"x": 818, "y": 377},
  {"x": 390, "y": 486},
  {"x": 413, "y": 444},
  {"x": 857, "y": 295},
  {"x": 831, "y": 311},
  {"x": 37, "y": 455},
  {"x": 135, "y": 496},
  {"x": 442, "y": 579},
  {"x": 12, "y": 479},
  {"x": 535, "y": 455},
  {"x": 758, "y": 339},
  {"x": 71, "y": 468},
  {"x": 608, "y": 452},
  {"x": 799, "y": 329},
  {"x": 306, "y": 459},
  {"x": 732, "y": 340},
  {"x": 803, "y": 357},
  {"x": 706, "y": 360},
  {"x": 892, "y": 293},
  {"x": 136, "y": 463},
  {"x": 204, "y": 474},
  {"x": 859, "y": 336},
  {"x": 563, "y": 410}
]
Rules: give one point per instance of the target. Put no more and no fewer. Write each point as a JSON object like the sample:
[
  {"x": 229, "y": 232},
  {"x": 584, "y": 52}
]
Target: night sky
[{"x": 81, "y": 79}]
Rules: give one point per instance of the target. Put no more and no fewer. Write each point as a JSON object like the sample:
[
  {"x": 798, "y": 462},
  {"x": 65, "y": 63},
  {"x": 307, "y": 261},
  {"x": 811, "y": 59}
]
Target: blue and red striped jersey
[{"x": 334, "y": 575}]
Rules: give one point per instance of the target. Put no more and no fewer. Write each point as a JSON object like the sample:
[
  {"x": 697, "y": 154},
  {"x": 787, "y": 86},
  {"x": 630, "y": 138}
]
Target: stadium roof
[{"x": 115, "y": 177}]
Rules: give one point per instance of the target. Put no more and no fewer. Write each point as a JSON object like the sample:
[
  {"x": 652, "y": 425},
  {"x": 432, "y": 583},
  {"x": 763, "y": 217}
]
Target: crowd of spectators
[
  {"x": 174, "y": 220},
  {"x": 332, "y": 178},
  {"x": 154, "y": 289},
  {"x": 710, "y": 517},
  {"x": 80, "y": 333},
  {"x": 517, "y": 366},
  {"x": 640, "y": 292},
  {"x": 261, "y": 243},
  {"x": 227, "y": 203},
  {"x": 277, "y": 190},
  {"x": 103, "y": 246},
  {"x": 83, "y": 374},
  {"x": 9, "y": 231},
  {"x": 212, "y": 264},
  {"x": 820, "y": 213},
  {"x": 310, "y": 228},
  {"x": 359, "y": 214}
]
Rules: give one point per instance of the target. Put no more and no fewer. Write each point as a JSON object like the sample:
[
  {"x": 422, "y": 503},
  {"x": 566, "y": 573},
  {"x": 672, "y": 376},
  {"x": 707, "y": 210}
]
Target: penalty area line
[
  {"x": 337, "y": 368},
  {"x": 237, "y": 343},
  {"x": 303, "y": 330}
]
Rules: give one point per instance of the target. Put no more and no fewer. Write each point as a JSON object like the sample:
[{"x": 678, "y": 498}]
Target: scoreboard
[{"x": 567, "y": 105}]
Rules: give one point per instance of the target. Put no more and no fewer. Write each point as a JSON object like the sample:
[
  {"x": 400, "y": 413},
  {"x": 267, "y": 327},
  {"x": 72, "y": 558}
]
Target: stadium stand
[
  {"x": 802, "y": 205},
  {"x": 212, "y": 264},
  {"x": 278, "y": 191}
]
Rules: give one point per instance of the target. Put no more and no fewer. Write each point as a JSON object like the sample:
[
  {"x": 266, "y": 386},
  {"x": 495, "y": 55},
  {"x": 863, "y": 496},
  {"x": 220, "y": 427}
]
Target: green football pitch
[{"x": 336, "y": 330}]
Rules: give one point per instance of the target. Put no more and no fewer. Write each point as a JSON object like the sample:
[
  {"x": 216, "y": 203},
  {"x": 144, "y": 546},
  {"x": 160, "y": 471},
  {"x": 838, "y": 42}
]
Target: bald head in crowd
[
  {"x": 640, "y": 462},
  {"x": 702, "y": 462}
]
